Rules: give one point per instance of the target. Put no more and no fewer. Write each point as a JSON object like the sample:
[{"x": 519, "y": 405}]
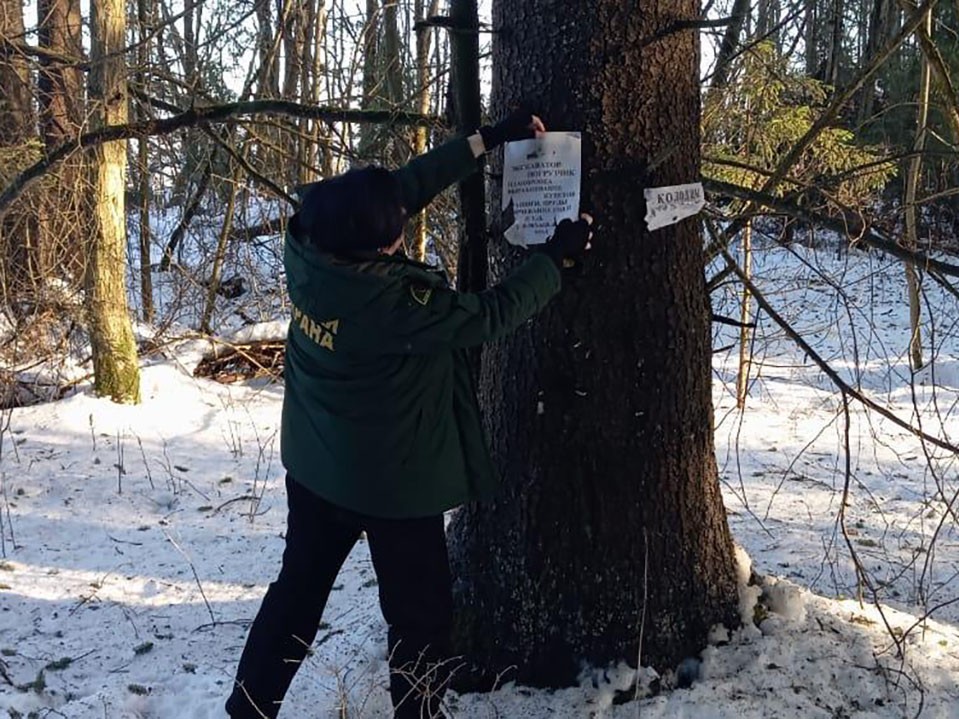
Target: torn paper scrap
[{"x": 668, "y": 205}]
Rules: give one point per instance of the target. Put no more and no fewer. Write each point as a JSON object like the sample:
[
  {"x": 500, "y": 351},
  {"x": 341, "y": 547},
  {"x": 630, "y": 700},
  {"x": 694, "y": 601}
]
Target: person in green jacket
[{"x": 381, "y": 430}]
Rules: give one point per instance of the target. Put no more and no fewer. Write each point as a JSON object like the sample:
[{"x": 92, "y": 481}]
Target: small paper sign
[
  {"x": 668, "y": 205},
  {"x": 541, "y": 179}
]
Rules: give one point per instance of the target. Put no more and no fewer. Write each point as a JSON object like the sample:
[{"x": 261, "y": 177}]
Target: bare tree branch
[
  {"x": 192, "y": 117},
  {"x": 844, "y": 387},
  {"x": 847, "y": 223}
]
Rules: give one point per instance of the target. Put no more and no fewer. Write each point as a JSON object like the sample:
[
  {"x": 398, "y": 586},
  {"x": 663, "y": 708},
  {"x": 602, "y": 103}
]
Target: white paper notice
[
  {"x": 669, "y": 205},
  {"x": 541, "y": 180}
]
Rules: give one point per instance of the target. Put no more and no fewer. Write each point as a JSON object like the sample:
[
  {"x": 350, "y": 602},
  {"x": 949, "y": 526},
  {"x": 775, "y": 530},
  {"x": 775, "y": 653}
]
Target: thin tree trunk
[
  {"x": 312, "y": 32},
  {"x": 322, "y": 138},
  {"x": 834, "y": 56},
  {"x": 767, "y": 22},
  {"x": 883, "y": 21},
  {"x": 116, "y": 372},
  {"x": 144, "y": 15},
  {"x": 729, "y": 44},
  {"x": 269, "y": 76},
  {"x": 745, "y": 351},
  {"x": 369, "y": 134},
  {"x": 423, "y": 99},
  {"x": 913, "y": 177},
  {"x": 608, "y": 539},
  {"x": 811, "y": 28},
  {"x": 398, "y": 148},
  {"x": 472, "y": 262},
  {"x": 214, "y": 283},
  {"x": 21, "y": 274},
  {"x": 295, "y": 19},
  {"x": 191, "y": 210},
  {"x": 190, "y": 56}
]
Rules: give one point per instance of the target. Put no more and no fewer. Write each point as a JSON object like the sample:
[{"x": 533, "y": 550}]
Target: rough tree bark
[
  {"x": 610, "y": 525},
  {"x": 116, "y": 372},
  {"x": 16, "y": 113}
]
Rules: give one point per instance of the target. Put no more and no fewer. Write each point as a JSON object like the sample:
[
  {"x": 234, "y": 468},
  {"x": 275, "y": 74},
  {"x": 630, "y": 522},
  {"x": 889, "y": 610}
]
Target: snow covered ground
[{"x": 137, "y": 541}]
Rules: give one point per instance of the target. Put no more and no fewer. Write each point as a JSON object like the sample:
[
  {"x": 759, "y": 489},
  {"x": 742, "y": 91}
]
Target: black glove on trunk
[
  {"x": 515, "y": 126},
  {"x": 569, "y": 240}
]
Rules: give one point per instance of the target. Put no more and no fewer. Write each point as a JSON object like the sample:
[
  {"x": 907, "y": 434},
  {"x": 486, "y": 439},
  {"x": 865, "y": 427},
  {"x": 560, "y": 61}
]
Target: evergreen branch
[
  {"x": 829, "y": 115},
  {"x": 718, "y": 76},
  {"x": 192, "y": 117},
  {"x": 845, "y": 96}
]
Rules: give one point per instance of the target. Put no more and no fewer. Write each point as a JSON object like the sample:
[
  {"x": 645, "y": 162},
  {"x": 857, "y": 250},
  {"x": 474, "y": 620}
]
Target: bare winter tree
[
  {"x": 18, "y": 240},
  {"x": 116, "y": 372}
]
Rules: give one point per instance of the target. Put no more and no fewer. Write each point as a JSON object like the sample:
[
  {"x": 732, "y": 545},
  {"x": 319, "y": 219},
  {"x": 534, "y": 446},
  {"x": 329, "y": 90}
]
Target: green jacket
[{"x": 379, "y": 413}]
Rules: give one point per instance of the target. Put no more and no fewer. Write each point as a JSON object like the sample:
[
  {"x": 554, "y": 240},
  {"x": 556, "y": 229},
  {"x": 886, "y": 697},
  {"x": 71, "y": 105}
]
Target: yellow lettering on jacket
[{"x": 323, "y": 333}]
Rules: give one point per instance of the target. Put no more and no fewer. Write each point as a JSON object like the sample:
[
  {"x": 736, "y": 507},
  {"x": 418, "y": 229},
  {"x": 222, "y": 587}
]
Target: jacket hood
[{"x": 359, "y": 210}]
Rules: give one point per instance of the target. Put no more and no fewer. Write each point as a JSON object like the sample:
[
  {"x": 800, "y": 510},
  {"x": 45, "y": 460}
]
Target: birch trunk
[{"x": 116, "y": 372}]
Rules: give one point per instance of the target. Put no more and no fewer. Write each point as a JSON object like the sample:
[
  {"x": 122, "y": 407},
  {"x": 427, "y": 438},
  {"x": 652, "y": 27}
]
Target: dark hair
[{"x": 359, "y": 210}]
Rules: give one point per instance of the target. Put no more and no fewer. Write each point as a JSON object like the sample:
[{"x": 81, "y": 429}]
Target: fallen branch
[{"x": 242, "y": 361}]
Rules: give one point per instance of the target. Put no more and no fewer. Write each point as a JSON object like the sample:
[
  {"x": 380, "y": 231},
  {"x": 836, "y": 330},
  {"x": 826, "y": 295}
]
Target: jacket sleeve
[
  {"x": 427, "y": 175},
  {"x": 432, "y": 319}
]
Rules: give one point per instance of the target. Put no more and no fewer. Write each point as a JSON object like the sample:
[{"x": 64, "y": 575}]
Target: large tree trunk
[
  {"x": 116, "y": 373},
  {"x": 610, "y": 527}
]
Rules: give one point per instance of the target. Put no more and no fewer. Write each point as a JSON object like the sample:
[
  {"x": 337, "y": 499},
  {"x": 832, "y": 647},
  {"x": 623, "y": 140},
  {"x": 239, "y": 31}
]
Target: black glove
[
  {"x": 515, "y": 126},
  {"x": 569, "y": 240}
]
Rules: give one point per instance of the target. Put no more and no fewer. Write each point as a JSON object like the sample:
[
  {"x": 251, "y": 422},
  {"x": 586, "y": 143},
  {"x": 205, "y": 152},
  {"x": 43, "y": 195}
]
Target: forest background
[{"x": 150, "y": 154}]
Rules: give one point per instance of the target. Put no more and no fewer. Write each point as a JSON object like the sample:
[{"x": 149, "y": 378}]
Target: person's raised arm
[
  {"x": 427, "y": 175},
  {"x": 433, "y": 319}
]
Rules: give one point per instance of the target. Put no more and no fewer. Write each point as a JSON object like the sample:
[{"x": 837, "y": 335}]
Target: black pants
[{"x": 409, "y": 556}]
